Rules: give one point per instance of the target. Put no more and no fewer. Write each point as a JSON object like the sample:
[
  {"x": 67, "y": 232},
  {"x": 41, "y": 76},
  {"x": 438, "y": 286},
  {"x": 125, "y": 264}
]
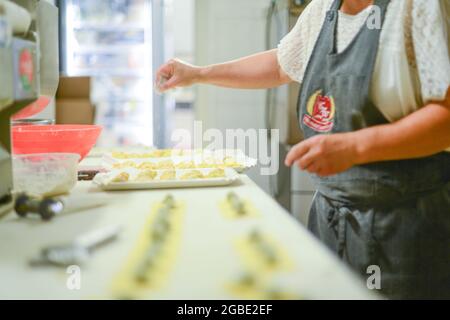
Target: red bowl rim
[{"x": 57, "y": 127}]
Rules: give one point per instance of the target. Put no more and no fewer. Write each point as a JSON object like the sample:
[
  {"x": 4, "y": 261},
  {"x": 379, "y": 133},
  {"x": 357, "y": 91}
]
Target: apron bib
[{"x": 394, "y": 214}]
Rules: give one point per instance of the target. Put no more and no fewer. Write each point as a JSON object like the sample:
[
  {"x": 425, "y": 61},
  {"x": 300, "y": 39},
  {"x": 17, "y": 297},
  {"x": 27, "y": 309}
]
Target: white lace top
[{"x": 413, "y": 64}]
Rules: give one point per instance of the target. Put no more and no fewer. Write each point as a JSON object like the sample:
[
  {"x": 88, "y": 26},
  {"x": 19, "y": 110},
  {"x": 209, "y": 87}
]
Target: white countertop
[{"x": 206, "y": 260}]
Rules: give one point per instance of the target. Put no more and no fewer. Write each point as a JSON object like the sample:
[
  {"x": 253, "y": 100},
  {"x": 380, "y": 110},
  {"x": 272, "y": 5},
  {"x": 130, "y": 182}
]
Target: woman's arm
[
  {"x": 422, "y": 133},
  {"x": 259, "y": 71}
]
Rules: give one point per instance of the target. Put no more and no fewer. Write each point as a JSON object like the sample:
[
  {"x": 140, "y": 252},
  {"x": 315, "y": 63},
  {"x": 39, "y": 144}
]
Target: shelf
[
  {"x": 113, "y": 48},
  {"x": 109, "y": 27},
  {"x": 115, "y": 73}
]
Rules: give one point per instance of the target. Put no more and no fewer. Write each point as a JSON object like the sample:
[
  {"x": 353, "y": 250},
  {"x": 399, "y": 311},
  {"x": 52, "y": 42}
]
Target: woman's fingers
[
  {"x": 306, "y": 157},
  {"x": 324, "y": 155},
  {"x": 306, "y": 161},
  {"x": 296, "y": 153},
  {"x": 314, "y": 168},
  {"x": 164, "y": 76},
  {"x": 169, "y": 83},
  {"x": 165, "y": 71},
  {"x": 174, "y": 74}
]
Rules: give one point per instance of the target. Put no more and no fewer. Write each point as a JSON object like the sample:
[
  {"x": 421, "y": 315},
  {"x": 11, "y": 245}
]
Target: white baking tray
[{"x": 103, "y": 180}]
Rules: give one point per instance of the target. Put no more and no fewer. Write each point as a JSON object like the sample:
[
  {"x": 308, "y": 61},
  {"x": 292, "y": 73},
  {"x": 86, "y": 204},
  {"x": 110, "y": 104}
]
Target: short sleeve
[
  {"x": 296, "y": 47},
  {"x": 430, "y": 38}
]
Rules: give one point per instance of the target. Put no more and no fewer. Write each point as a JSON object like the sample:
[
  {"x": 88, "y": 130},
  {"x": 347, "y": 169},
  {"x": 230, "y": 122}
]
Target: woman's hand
[
  {"x": 176, "y": 73},
  {"x": 325, "y": 155}
]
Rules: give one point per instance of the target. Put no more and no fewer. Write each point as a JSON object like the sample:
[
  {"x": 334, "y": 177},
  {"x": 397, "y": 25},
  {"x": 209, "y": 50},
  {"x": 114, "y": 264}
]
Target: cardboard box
[
  {"x": 74, "y": 111},
  {"x": 73, "y": 104},
  {"x": 74, "y": 88}
]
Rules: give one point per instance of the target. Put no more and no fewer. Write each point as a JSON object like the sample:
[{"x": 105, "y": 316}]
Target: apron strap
[
  {"x": 336, "y": 5},
  {"x": 382, "y": 5}
]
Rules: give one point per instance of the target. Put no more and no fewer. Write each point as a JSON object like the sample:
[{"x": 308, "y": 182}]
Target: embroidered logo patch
[{"x": 321, "y": 110}]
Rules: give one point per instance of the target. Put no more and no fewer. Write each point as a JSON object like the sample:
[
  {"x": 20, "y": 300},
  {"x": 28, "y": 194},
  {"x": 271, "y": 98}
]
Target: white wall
[
  {"x": 183, "y": 27},
  {"x": 225, "y": 30}
]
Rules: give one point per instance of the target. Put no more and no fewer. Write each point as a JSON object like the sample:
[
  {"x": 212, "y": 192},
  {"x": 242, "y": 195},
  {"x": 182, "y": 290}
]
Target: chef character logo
[{"x": 321, "y": 110}]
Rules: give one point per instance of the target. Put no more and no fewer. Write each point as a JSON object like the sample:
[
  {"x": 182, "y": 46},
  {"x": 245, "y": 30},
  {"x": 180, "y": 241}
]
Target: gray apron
[{"x": 395, "y": 214}]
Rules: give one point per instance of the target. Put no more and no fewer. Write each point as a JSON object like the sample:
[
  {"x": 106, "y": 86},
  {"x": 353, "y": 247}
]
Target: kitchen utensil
[
  {"x": 79, "y": 251},
  {"x": 55, "y": 139},
  {"x": 87, "y": 175},
  {"x": 48, "y": 208},
  {"x": 46, "y": 175}
]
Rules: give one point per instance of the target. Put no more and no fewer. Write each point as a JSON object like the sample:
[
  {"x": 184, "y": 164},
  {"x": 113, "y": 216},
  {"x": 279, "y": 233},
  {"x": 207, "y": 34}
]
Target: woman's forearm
[
  {"x": 423, "y": 133},
  {"x": 259, "y": 71}
]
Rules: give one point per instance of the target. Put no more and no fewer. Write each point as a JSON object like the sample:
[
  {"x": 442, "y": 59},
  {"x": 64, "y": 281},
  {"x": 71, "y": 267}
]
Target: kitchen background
[{"x": 119, "y": 44}]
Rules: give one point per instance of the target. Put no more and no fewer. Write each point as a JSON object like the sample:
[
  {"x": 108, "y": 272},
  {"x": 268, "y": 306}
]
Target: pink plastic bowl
[{"x": 55, "y": 139}]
